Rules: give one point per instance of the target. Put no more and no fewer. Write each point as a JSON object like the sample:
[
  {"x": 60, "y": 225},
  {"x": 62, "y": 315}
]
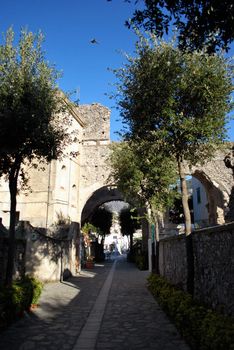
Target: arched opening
[
  {"x": 209, "y": 199},
  {"x": 115, "y": 240},
  {"x": 102, "y": 195}
]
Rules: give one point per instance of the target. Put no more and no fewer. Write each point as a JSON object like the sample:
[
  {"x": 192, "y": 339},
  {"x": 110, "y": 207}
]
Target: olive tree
[
  {"x": 177, "y": 100},
  {"x": 143, "y": 174},
  {"x": 32, "y": 129}
]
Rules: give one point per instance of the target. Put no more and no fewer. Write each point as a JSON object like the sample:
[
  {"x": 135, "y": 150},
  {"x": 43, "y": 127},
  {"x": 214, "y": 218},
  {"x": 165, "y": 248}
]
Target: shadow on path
[
  {"x": 116, "y": 301},
  {"x": 63, "y": 311}
]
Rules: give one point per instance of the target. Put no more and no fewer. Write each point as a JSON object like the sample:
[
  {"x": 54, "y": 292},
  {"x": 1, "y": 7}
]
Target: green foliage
[
  {"x": 176, "y": 215},
  {"x": 175, "y": 105},
  {"x": 199, "y": 23},
  {"x": 102, "y": 219},
  {"x": 125, "y": 172},
  {"x": 142, "y": 173},
  {"x": 141, "y": 261},
  {"x": 89, "y": 228},
  {"x": 128, "y": 221},
  {"x": 204, "y": 329},
  {"x": 37, "y": 287},
  {"x": 29, "y": 104},
  {"x": 175, "y": 99},
  {"x": 17, "y": 298},
  {"x": 33, "y": 126}
]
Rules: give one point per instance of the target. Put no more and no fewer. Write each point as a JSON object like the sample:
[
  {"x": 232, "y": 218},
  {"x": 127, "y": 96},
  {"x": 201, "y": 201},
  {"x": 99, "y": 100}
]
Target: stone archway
[
  {"x": 216, "y": 196},
  {"x": 102, "y": 195},
  {"x": 217, "y": 180}
]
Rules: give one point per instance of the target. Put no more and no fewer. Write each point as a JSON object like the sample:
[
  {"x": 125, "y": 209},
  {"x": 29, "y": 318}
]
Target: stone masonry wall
[
  {"x": 213, "y": 265},
  {"x": 173, "y": 260},
  {"x": 97, "y": 122},
  {"x": 94, "y": 152},
  {"x": 39, "y": 254},
  {"x": 48, "y": 256}
]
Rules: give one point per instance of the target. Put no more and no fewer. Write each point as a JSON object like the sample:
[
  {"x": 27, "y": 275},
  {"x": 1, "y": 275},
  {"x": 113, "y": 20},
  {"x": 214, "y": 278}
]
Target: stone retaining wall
[
  {"x": 40, "y": 254},
  {"x": 173, "y": 260},
  {"x": 213, "y": 265}
]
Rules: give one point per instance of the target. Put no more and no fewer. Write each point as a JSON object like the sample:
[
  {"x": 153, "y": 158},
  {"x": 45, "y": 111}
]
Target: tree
[
  {"x": 32, "y": 129},
  {"x": 177, "y": 100},
  {"x": 129, "y": 223},
  {"x": 138, "y": 173},
  {"x": 102, "y": 218},
  {"x": 143, "y": 174},
  {"x": 199, "y": 22}
]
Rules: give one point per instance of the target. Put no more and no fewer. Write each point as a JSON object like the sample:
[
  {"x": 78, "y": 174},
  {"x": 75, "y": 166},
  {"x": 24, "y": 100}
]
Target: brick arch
[{"x": 100, "y": 196}]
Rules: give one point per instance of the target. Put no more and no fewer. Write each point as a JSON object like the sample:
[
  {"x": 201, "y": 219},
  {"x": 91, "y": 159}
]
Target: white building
[
  {"x": 115, "y": 241},
  {"x": 200, "y": 204}
]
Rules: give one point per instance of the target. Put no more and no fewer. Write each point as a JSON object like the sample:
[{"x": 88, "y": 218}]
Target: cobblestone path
[{"x": 106, "y": 308}]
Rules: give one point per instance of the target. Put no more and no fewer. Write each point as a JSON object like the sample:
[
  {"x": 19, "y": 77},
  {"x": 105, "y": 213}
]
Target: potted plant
[{"x": 89, "y": 262}]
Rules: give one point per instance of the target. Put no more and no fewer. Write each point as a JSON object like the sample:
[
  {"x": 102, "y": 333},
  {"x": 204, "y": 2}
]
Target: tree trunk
[
  {"x": 131, "y": 242},
  {"x": 145, "y": 230},
  {"x": 13, "y": 178},
  {"x": 184, "y": 193},
  {"x": 156, "y": 223}
]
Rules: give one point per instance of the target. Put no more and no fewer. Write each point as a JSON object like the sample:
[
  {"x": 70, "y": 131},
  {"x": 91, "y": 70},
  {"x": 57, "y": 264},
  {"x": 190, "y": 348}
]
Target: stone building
[
  {"x": 73, "y": 187},
  {"x": 60, "y": 191}
]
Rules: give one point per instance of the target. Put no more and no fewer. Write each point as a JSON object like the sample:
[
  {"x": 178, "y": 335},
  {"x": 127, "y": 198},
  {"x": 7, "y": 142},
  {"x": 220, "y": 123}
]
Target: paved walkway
[{"x": 107, "y": 308}]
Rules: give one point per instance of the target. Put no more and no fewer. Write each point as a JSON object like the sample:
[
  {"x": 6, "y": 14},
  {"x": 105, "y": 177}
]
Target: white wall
[{"x": 200, "y": 202}]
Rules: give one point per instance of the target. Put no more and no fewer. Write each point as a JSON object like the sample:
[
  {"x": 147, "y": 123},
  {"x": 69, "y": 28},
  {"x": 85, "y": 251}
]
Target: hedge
[
  {"x": 201, "y": 327},
  {"x": 16, "y": 299}
]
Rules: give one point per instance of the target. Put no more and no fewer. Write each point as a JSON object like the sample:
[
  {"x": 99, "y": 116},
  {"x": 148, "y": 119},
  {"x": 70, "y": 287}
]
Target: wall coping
[
  {"x": 173, "y": 238},
  {"x": 213, "y": 229},
  {"x": 210, "y": 230}
]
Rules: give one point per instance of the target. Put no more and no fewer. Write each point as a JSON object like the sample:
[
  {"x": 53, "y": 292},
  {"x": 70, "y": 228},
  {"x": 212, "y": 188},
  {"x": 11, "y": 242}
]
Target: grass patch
[{"x": 202, "y": 328}]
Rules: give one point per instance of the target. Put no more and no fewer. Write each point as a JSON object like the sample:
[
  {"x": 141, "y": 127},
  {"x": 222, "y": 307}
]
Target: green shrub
[
  {"x": 203, "y": 329},
  {"x": 35, "y": 288},
  {"x": 14, "y": 300},
  {"x": 141, "y": 261}
]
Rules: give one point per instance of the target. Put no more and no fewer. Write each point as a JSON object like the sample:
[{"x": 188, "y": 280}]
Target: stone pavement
[{"x": 105, "y": 308}]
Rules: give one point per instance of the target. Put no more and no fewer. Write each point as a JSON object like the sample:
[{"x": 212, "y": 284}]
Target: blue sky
[{"x": 68, "y": 27}]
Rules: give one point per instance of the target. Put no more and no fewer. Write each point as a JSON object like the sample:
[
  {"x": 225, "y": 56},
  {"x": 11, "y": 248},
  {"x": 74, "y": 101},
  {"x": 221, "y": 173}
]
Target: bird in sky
[{"x": 94, "y": 41}]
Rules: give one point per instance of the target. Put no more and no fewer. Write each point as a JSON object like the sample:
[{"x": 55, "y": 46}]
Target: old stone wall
[
  {"x": 94, "y": 151},
  {"x": 50, "y": 257},
  {"x": 212, "y": 272},
  {"x": 217, "y": 178},
  {"x": 20, "y": 248},
  {"x": 213, "y": 250},
  {"x": 41, "y": 254},
  {"x": 173, "y": 260},
  {"x": 96, "y": 120}
]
